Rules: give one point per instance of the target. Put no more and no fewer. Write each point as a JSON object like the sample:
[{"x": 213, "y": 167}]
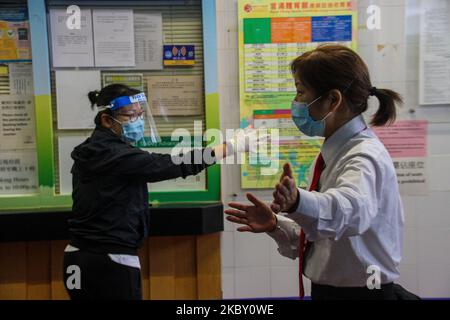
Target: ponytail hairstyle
[
  {"x": 105, "y": 96},
  {"x": 333, "y": 66},
  {"x": 386, "y": 112}
]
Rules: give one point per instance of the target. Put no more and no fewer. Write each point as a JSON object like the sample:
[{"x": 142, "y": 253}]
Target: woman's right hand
[{"x": 257, "y": 218}]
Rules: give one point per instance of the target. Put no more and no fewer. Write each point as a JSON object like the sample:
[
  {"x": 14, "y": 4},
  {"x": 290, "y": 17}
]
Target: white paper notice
[
  {"x": 17, "y": 122},
  {"x": 175, "y": 95},
  {"x": 434, "y": 80},
  {"x": 21, "y": 78},
  {"x": 113, "y": 38},
  {"x": 18, "y": 173},
  {"x": 412, "y": 175},
  {"x": 148, "y": 41},
  {"x": 65, "y": 148},
  {"x": 72, "y": 103},
  {"x": 71, "y": 47}
]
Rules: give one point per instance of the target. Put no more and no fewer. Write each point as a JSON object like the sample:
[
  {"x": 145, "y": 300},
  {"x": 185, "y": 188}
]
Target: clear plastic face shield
[{"x": 135, "y": 117}]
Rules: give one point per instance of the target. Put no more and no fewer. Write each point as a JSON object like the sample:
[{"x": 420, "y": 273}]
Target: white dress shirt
[{"x": 356, "y": 220}]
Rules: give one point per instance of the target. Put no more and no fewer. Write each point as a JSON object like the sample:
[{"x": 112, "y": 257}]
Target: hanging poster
[
  {"x": 434, "y": 78},
  {"x": 406, "y": 142},
  {"x": 14, "y": 35},
  {"x": 271, "y": 35}
]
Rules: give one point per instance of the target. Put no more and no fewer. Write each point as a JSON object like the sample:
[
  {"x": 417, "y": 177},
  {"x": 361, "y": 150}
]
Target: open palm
[{"x": 254, "y": 218}]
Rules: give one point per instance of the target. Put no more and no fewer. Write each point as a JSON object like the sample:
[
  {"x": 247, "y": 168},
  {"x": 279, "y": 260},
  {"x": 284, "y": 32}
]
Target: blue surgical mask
[
  {"x": 132, "y": 131},
  {"x": 304, "y": 122}
]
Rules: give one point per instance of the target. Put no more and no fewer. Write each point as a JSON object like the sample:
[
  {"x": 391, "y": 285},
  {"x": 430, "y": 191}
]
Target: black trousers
[
  {"x": 324, "y": 292},
  {"x": 94, "y": 276}
]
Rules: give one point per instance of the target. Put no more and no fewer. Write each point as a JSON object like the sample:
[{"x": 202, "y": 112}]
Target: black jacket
[{"x": 110, "y": 196}]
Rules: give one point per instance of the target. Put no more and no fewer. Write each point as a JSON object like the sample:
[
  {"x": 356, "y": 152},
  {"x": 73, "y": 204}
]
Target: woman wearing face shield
[
  {"x": 348, "y": 225},
  {"x": 110, "y": 198}
]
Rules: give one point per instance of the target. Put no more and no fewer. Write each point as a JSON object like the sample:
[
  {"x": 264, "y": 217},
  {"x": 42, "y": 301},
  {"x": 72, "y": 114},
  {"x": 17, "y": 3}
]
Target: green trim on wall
[
  {"x": 16, "y": 202},
  {"x": 44, "y": 141}
]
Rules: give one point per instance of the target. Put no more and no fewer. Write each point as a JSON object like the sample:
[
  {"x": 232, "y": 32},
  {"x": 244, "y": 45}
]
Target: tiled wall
[{"x": 251, "y": 265}]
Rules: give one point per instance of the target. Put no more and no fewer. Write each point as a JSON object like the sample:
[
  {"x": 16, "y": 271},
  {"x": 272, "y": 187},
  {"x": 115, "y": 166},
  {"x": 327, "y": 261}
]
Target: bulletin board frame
[{"x": 47, "y": 199}]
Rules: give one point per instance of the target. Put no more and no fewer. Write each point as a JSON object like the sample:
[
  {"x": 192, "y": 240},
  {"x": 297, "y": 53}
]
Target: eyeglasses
[{"x": 133, "y": 116}]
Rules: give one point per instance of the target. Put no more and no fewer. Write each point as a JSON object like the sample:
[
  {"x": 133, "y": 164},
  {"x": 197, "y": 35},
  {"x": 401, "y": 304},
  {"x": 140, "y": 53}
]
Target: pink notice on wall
[
  {"x": 405, "y": 138},
  {"x": 406, "y": 141}
]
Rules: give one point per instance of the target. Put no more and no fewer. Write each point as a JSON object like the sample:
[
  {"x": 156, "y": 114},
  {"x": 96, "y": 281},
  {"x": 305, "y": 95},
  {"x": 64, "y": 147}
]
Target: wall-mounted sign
[{"x": 179, "y": 55}]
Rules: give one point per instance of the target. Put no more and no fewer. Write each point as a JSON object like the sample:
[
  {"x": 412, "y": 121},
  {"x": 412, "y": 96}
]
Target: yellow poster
[
  {"x": 14, "y": 35},
  {"x": 272, "y": 33}
]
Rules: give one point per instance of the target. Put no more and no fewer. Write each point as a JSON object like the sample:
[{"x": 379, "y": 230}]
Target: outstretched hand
[{"x": 254, "y": 218}]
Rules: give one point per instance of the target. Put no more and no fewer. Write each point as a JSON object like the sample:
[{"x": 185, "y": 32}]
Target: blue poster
[
  {"x": 179, "y": 55},
  {"x": 331, "y": 28}
]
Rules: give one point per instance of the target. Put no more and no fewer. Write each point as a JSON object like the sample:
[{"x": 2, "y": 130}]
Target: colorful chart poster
[
  {"x": 271, "y": 35},
  {"x": 406, "y": 142},
  {"x": 14, "y": 35}
]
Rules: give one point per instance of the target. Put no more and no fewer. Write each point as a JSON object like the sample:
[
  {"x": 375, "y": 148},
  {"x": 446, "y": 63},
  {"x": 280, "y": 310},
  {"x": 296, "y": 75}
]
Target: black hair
[{"x": 104, "y": 97}]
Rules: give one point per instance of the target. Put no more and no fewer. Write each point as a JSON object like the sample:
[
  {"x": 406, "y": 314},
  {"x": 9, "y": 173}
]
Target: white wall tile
[
  {"x": 411, "y": 99},
  {"x": 231, "y": 30},
  {"x": 434, "y": 281},
  {"x": 412, "y": 21},
  {"x": 386, "y": 62},
  {"x": 433, "y": 246},
  {"x": 409, "y": 206},
  {"x": 392, "y": 19},
  {"x": 438, "y": 173},
  {"x": 227, "y": 249},
  {"x": 219, "y": 7},
  {"x": 362, "y": 4},
  {"x": 230, "y": 5},
  {"x": 252, "y": 282},
  {"x": 284, "y": 282},
  {"x": 433, "y": 210},
  {"x": 220, "y": 26},
  {"x": 228, "y": 275},
  {"x": 438, "y": 138},
  {"x": 409, "y": 277},
  {"x": 229, "y": 226},
  {"x": 412, "y": 62},
  {"x": 409, "y": 246},
  {"x": 251, "y": 250},
  {"x": 231, "y": 183},
  {"x": 436, "y": 114}
]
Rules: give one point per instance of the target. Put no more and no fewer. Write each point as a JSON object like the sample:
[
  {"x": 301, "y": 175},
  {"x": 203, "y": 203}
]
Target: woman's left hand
[
  {"x": 257, "y": 218},
  {"x": 286, "y": 195}
]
